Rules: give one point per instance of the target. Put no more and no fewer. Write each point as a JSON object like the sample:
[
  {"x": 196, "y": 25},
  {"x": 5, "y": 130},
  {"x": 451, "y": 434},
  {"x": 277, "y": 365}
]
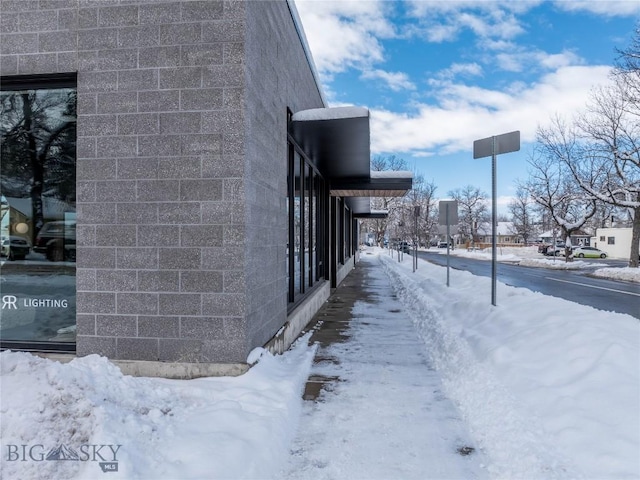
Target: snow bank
[
  {"x": 627, "y": 274},
  {"x": 158, "y": 428},
  {"x": 551, "y": 388}
]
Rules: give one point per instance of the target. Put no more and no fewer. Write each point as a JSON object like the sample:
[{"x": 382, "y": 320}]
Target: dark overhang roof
[
  {"x": 336, "y": 139},
  {"x": 338, "y": 142},
  {"x": 373, "y": 214},
  {"x": 379, "y": 184}
]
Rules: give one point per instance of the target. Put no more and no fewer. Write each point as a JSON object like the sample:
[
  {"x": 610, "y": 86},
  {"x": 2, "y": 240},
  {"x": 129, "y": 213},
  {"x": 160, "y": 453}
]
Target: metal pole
[
  {"x": 448, "y": 236},
  {"x": 416, "y": 239},
  {"x": 494, "y": 216}
]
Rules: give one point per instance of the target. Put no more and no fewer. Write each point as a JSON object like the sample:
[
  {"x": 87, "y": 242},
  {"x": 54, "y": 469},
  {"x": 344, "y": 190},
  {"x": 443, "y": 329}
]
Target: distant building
[
  {"x": 577, "y": 238},
  {"x": 615, "y": 241},
  {"x": 505, "y": 233}
]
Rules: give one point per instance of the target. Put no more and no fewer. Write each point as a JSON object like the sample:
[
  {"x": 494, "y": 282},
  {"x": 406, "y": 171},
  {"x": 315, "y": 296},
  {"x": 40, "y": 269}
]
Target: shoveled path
[{"x": 375, "y": 407}]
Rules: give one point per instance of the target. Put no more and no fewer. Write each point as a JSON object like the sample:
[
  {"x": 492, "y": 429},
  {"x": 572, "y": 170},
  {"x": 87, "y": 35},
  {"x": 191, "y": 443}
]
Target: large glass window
[
  {"x": 318, "y": 253},
  {"x": 309, "y": 225},
  {"x": 306, "y": 225},
  {"x": 298, "y": 230},
  {"x": 38, "y": 211}
]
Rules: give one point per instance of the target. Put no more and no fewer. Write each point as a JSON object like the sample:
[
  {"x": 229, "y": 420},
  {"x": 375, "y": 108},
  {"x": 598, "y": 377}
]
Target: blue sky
[{"x": 437, "y": 75}]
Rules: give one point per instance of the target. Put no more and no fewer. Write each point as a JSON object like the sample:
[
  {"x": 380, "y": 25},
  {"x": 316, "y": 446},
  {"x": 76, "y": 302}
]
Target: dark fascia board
[
  {"x": 48, "y": 80},
  {"x": 358, "y": 205},
  {"x": 371, "y": 215},
  {"x": 336, "y": 139},
  {"x": 379, "y": 186}
]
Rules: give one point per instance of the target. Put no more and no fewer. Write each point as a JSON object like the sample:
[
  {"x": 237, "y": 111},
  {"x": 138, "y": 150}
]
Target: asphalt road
[{"x": 603, "y": 294}]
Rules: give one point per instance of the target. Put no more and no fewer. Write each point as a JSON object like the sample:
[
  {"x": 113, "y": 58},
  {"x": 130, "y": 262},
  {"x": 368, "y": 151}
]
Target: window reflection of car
[
  {"x": 14, "y": 247},
  {"x": 57, "y": 240}
]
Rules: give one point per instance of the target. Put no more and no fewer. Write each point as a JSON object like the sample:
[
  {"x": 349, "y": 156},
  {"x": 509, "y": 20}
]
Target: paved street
[{"x": 573, "y": 285}]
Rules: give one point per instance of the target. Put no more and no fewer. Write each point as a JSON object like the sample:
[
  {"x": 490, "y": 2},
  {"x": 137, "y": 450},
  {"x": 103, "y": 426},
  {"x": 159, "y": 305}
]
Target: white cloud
[
  {"x": 519, "y": 60},
  {"x": 345, "y": 34},
  {"x": 396, "y": 81},
  {"x": 432, "y": 7},
  {"x": 510, "y": 62},
  {"x": 444, "y": 20},
  {"x": 610, "y": 8},
  {"x": 557, "y": 60},
  {"x": 462, "y": 69},
  {"x": 466, "y": 113}
]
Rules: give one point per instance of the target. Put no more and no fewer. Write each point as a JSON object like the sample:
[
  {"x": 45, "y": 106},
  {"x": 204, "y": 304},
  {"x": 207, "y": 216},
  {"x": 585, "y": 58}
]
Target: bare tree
[
  {"x": 601, "y": 152},
  {"x": 422, "y": 195},
  {"x": 390, "y": 204},
  {"x": 38, "y": 134},
  {"x": 607, "y": 161},
  {"x": 551, "y": 184},
  {"x": 627, "y": 68},
  {"x": 610, "y": 167},
  {"x": 472, "y": 210},
  {"x": 522, "y": 213}
]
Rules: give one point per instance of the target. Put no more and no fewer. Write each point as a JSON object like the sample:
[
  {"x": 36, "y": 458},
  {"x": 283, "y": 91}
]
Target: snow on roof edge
[
  {"x": 332, "y": 113},
  {"x": 305, "y": 46},
  {"x": 391, "y": 174}
]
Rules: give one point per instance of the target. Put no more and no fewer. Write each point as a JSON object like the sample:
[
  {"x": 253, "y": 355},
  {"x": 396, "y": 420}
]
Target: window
[
  {"x": 611, "y": 240},
  {"x": 318, "y": 212},
  {"x": 298, "y": 218},
  {"x": 602, "y": 238},
  {"x": 38, "y": 211},
  {"x": 305, "y": 253}
]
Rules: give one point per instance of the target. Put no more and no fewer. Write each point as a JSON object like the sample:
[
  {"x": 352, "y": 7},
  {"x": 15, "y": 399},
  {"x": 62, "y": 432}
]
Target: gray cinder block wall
[
  {"x": 181, "y": 166},
  {"x": 277, "y": 76}
]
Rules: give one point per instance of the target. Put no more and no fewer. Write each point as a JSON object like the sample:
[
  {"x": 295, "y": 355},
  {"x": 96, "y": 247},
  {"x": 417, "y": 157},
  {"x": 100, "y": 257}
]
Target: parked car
[
  {"x": 404, "y": 247},
  {"x": 442, "y": 244},
  {"x": 588, "y": 252},
  {"x": 57, "y": 240},
  {"x": 550, "y": 251},
  {"x": 542, "y": 248},
  {"x": 15, "y": 247}
]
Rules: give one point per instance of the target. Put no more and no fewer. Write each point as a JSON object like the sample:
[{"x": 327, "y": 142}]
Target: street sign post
[
  {"x": 447, "y": 215},
  {"x": 416, "y": 215},
  {"x": 492, "y": 146}
]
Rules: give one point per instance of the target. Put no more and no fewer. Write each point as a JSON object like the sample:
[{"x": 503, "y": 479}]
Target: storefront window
[
  {"x": 317, "y": 228},
  {"x": 38, "y": 210},
  {"x": 297, "y": 226},
  {"x": 305, "y": 242},
  {"x": 308, "y": 279}
]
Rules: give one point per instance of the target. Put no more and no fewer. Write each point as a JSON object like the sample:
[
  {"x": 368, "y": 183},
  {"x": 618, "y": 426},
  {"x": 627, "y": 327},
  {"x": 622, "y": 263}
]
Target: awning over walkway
[
  {"x": 379, "y": 184},
  {"x": 338, "y": 142}
]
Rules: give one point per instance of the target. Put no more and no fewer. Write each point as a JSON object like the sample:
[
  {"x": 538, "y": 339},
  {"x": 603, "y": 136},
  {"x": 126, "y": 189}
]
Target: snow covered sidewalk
[
  {"x": 386, "y": 416},
  {"x": 539, "y": 387}
]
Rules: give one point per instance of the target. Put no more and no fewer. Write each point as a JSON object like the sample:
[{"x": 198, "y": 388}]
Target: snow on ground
[
  {"x": 388, "y": 416},
  {"x": 529, "y": 257},
  {"x": 626, "y": 273},
  {"x": 551, "y": 388},
  {"x": 210, "y": 428},
  {"x": 546, "y": 388}
]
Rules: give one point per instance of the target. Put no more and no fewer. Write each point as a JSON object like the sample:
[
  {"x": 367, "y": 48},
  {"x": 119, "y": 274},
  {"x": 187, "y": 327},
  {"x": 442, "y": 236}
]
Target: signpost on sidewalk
[
  {"x": 447, "y": 215},
  {"x": 416, "y": 214},
  {"x": 492, "y": 146}
]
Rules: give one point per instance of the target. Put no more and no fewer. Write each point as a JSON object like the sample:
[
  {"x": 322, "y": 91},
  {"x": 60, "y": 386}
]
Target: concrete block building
[{"x": 175, "y": 190}]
